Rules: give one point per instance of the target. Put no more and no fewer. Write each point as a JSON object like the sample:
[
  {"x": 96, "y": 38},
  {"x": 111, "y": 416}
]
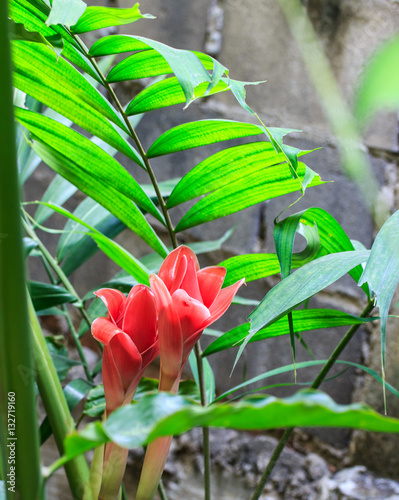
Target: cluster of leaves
[{"x": 66, "y": 122}]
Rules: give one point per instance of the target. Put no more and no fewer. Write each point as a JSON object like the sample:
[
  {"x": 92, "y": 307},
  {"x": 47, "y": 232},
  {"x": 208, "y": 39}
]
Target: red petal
[
  {"x": 210, "y": 280},
  {"x": 127, "y": 358},
  {"x": 103, "y": 330},
  {"x": 190, "y": 282},
  {"x": 113, "y": 389},
  {"x": 114, "y": 300},
  {"x": 169, "y": 331},
  {"x": 223, "y": 301},
  {"x": 174, "y": 267},
  {"x": 140, "y": 317},
  {"x": 192, "y": 313}
]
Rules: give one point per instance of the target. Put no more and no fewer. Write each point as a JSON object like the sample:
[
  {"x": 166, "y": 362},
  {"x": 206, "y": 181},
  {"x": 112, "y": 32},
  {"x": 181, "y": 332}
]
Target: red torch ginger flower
[
  {"x": 189, "y": 299},
  {"x": 130, "y": 339}
]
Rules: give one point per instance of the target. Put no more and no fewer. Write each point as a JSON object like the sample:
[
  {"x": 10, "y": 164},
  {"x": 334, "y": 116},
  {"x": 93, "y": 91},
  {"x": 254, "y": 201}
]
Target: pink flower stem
[
  {"x": 157, "y": 452},
  {"x": 115, "y": 458}
]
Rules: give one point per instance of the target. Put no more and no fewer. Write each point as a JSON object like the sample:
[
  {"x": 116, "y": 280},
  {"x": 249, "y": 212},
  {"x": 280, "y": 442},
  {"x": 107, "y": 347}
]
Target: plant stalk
[
  {"x": 19, "y": 437},
  {"x": 316, "y": 384},
  {"x": 205, "y": 430},
  {"x": 56, "y": 407}
]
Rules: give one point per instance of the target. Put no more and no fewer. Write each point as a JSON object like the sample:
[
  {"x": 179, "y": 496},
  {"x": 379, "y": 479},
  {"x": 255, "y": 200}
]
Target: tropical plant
[{"x": 64, "y": 120}]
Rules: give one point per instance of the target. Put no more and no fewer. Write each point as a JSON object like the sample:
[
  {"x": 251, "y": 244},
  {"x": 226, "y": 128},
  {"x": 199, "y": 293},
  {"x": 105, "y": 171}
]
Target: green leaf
[
  {"x": 114, "y": 251},
  {"x": 379, "y": 84},
  {"x": 299, "y": 286},
  {"x": 111, "y": 199},
  {"x": 304, "y": 320},
  {"x": 33, "y": 14},
  {"x": 19, "y": 32},
  {"x": 189, "y": 68},
  {"x": 223, "y": 168},
  {"x": 58, "y": 192},
  {"x": 200, "y": 133},
  {"x": 168, "y": 92},
  {"x": 61, "y": 87},
  {"x": 256, "y": 185},
  {"x": 95, "y": 403},
  {"x": 75, "y": 247},
  {"x": 66, "y": 12},
  {"x": 96, "y": 17},
  {"x": 135, "y": 425},
  {"x": 92, "y": 160},
  {"x": 45, "y": 296},
  {"x": 305, "y": 364},
  {"x": 382, "y": 271}
]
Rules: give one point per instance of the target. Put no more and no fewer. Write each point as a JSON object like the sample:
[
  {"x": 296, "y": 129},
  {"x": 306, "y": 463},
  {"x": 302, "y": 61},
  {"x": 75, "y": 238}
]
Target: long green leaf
[
  {"x": 200, "y": 133},
  {"x": 256, "y": 187},
  {"x": 92, "y": 160},
  {"x": 304, "y": 320},
  {"x": 382, "y": 271},
  {"x": 304, "y": 364},
  {"x": 33, "y": 15},
  {"x": 299, "y": 286},
  {"x": 223, "y": 168},
  {"x": 189, "y": 69},
  {"x": 168, "y": 92},
  {"x": 96, "y": 17},
  {"x": 111, "y": 199},
  {"x": 61, "y": 87},
  {"x": 133, "y": 426},
  {"x": 114, "y": 251}
]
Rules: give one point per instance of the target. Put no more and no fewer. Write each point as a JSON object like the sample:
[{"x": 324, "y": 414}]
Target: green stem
[
  {"x": 19, "y": 438},
  {"x": 135, "y": 138},
  {"x": 316, "y": 384},
  {"x": 205, "y": 430},
  {"x": 56, "y": 406}
]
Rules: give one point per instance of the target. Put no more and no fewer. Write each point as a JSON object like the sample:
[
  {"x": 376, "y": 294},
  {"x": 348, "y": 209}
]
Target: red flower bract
[
  {"x": 189, "y": 299},
  {"x": 130, "y": 339}
]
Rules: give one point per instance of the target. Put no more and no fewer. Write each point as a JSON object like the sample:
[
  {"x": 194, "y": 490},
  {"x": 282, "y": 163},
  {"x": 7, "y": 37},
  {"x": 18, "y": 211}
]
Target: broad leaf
[
  {"x": 135, "y": 425},
  {"x": 66, "y": 12},
  {"x": 97, "y": 17},
  {"x": 45, "y": 295},
  {"x": 304, "y": 320},
  {"x": 200, "y": 133},
  {"x": 59, "y": 355},
  {"x": 382, "y": 271}
]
